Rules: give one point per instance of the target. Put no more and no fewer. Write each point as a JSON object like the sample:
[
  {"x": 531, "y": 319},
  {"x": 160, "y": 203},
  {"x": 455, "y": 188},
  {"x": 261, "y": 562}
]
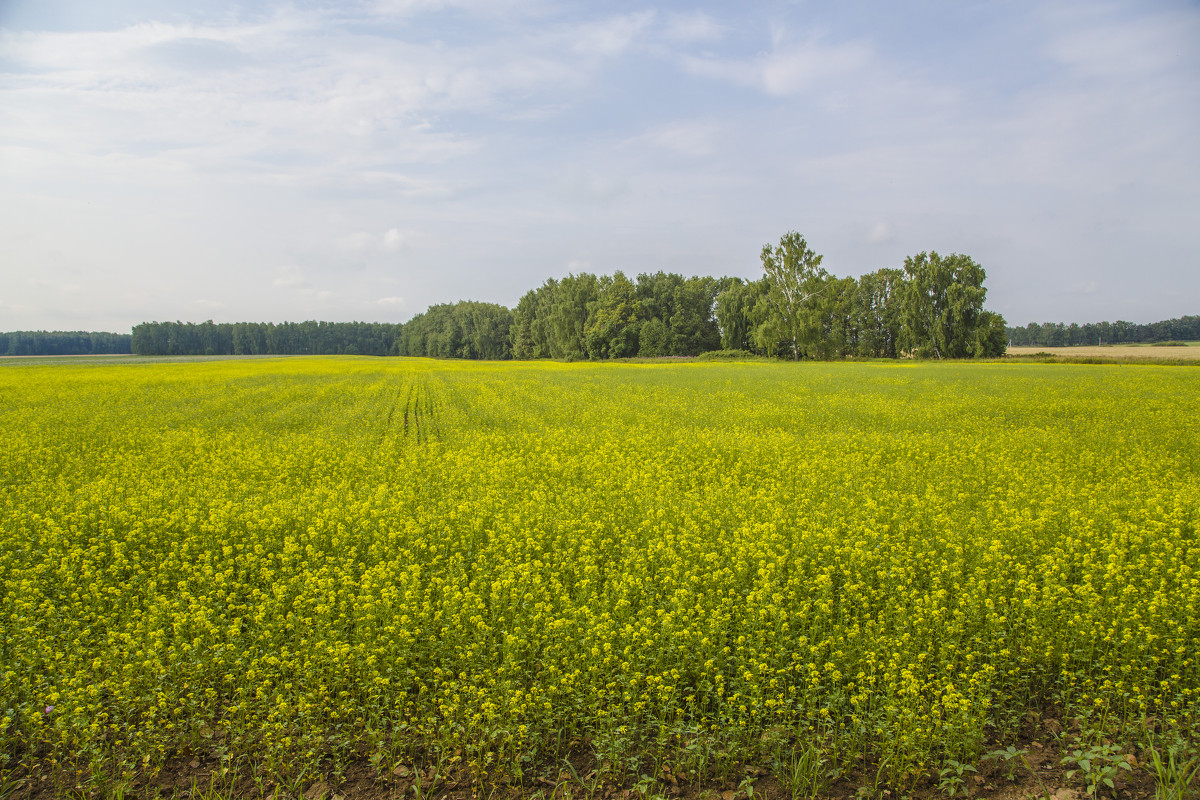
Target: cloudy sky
[{"x": 361, "y": 160}]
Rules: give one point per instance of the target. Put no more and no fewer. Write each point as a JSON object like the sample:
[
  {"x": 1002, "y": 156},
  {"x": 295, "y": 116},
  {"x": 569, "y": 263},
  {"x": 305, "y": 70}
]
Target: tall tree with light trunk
[
  {"x": 943, "y": 303},
  {"x": 796, "y": 281}
]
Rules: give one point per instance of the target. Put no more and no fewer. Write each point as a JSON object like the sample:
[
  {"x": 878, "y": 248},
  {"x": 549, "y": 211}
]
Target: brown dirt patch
[{"x": 191, "y": 778}]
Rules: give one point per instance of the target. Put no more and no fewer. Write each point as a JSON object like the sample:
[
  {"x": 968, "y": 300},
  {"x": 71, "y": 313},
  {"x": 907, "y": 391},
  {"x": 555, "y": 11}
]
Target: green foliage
[
  {"x": 795, "y": 281},
  {"x": 568, "y": 315},
  {"x": 530, "y": 333},
  {"x": 838, "y": 328},
  {"x": 585, "y": 316},
  {"x": 740, "y": 310},
  {"x": 1097, "y": 765},
  {"x": 932, "y": 308},
  {"x": 1058, "y": 334},
  {"x": 802, "y": 769},
  {"x": 265, "y": 338},
  {"x": 655, "y": 339},
  {"x": 951, "y": 778},
  {"x": 1011, "y": 756},
  {"x": 943, "y": 301},
  {"x": 990, "y": 341},
  {"x": 877, "y": 313},
  {"x": 611, "y": 330},
  {"x": 463, "y": 330},
  {"x": 63, "y": 343},
  {"x": 693, "y": 324},
  {"x": 1176, "y": 772}
]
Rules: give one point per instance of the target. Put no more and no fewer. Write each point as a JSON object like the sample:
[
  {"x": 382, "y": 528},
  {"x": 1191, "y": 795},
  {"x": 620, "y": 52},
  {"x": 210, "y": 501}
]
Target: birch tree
[{"x": 796, "y": 281}]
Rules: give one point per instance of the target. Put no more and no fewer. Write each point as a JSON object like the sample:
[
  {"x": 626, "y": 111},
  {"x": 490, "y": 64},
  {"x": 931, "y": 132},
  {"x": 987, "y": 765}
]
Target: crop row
[{"x": 498, "y": 565}]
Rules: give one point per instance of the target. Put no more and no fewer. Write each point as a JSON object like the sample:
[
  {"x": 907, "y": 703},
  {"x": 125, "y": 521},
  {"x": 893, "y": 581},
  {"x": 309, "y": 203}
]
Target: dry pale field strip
[{"x": 1114, "y": 352}]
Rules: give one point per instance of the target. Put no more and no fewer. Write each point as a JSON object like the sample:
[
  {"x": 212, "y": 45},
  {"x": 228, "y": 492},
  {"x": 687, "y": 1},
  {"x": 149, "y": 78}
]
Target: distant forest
[
  {"x": 933, "y": 307},
  {"x": 64, "y": 343},
  {"x": 266, "y": 338},
  {"x": 1058, "y": 334},
  {"x": 486, "y": 331}
]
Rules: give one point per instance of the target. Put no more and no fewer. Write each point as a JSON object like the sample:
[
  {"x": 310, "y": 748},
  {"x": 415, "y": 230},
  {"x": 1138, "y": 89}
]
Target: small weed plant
[{"x": 1097, "y": 766}]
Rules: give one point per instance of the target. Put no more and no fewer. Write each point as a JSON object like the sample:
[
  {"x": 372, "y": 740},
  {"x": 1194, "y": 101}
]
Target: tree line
[
  {"x": 64, "y": 343},
  {"x": 1058, "y": 334},
  {"x": 265, "y": 338},
  {"x": 931, "y": 307},
  {"x": 466, "y": 329}
]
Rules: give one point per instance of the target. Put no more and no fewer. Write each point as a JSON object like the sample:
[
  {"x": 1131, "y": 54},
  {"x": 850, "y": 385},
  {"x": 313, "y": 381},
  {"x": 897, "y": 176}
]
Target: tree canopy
[
  {"x": 942, "y": 305},
  {"x": 795, "y": 283},
  {"x": 1058, "y": 334},
  {"x": 932, "y": 307},
  {"x": 63, "y": 343}
]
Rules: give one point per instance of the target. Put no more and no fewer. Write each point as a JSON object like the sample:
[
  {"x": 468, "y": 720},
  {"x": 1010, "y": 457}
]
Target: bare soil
[{"x": 1045, "y": 778}]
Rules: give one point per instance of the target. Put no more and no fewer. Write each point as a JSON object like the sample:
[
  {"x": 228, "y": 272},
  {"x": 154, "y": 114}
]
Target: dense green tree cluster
[
  {"x": 1057, "y": 334},
  {"x": 63, "y": 343},
  {"x": 932, "y": 308},
  {"x": 589, "y": 316},
  {"x": 264, "y": 338},
  {"x": 465, "y": 329}
]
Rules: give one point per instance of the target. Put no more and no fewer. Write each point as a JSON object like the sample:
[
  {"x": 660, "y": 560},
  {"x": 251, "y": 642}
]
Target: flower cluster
[{"x": 300, "y": 557}]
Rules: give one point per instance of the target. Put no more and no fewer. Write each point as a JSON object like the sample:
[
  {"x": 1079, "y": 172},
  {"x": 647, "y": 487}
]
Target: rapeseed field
[{"x": 671, "y": 570}]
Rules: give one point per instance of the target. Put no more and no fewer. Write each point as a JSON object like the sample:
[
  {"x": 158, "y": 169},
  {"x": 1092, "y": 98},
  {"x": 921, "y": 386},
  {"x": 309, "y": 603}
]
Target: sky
[{"x": 362, "y": 160}]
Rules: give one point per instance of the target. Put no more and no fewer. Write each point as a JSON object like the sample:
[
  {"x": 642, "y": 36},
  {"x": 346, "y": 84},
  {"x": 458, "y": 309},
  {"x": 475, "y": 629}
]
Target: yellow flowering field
[{"x": 666, "y": 569}]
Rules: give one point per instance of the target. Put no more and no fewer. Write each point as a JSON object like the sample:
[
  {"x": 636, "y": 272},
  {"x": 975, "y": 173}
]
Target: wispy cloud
[
  {"x": 612, "y": 36},
  {"x": 792, "y": 67},
  {"x": 692, "y": 138},
  {"x": 881, "y": 233},
  {"x": 435, "y": 149},
  {"x": 390, "y": 241},
  {"x": 693, "y": 26},
  {"x": 212, "y": 97}
]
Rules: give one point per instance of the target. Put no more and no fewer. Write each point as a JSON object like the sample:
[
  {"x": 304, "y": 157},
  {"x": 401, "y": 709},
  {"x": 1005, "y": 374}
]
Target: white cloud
[
  {"x": 347, "y": 106},
  {"x": 364, "y": 242},
  {"x": 694, "y": 26},
  {"x": 881, "y": 233},
  {"x": 582, "y": 184},
  {"x": 390, "y": 301},
  {"x": 506, "y": 9},
  {"x": 610, "y": 37},
  {"x": 356, "y": 143},
  {"x": 393, "y": 240},
  {"x": 1097, "y": 46},
  {"x": 793, "y": 67},
  {"x": 810, "y": 65},
  {"x": 288, "y": 277},
  {"x": 695, "y": 138}
]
